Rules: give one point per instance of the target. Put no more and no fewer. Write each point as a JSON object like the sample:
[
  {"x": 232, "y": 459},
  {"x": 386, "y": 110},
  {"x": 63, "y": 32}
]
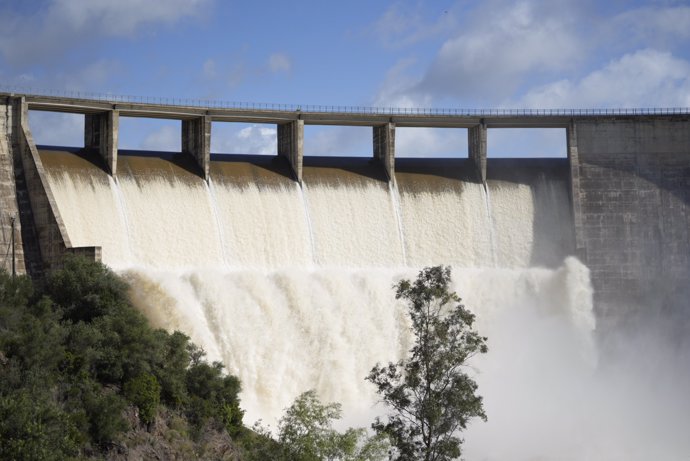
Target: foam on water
[
  {"x": 283, "y": 332},
  {"x": 292, "y": 287}
]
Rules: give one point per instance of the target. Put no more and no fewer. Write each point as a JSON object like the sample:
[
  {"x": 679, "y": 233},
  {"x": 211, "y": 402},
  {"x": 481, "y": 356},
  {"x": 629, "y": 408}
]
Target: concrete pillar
[
  {"x": 291, "y": 145},
  {"x": 196, "y": 141},
  {"x": 10, "y": 221},
  {"x": 476, "y": 142},
  {"x": 101, "y": 133},
  {"x": 384, "y": 147},
  {"x": 575, "y": 196}
]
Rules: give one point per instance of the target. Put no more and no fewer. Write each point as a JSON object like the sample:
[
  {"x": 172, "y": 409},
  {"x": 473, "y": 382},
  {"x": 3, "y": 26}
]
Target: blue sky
[{"x": 443, "y": 54}]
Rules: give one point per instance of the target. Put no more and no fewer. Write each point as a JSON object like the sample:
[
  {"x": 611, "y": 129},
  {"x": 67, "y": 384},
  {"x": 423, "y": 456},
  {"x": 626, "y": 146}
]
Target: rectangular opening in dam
[
  {"x": 243, "y": 138},
  {"x": 338, "y": 141},
  {"x": 57, "y": 128},
  {"x": 423, "y": 142},
  {"x": 526, "y": 143},
  {"x": 150, "y": 134}
]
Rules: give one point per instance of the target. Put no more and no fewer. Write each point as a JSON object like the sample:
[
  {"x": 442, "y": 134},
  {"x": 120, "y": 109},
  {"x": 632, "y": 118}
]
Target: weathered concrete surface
[
  {"x": 9, "y": 209},
  {"x": 48, "y": 236},
  {"x": 384, "y": 147},
  {"x": 629, "y": 176},
  {"x": 196, "y": 141},
  {"x": 101, "y": 132},
  {"x": 631, "y": 203},
  {"x": 476, "y": 143},
  {"x": 176, "y": 110},
  {"x": 291, "y": 145}
]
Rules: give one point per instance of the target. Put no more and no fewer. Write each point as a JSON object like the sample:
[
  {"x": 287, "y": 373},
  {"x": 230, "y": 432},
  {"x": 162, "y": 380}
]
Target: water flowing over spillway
[{"x": 290, "y": 286}]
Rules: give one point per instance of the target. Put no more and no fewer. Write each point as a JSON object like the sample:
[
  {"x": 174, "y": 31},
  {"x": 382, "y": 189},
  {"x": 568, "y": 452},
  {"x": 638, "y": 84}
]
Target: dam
[{"x": 282, "y": 266}]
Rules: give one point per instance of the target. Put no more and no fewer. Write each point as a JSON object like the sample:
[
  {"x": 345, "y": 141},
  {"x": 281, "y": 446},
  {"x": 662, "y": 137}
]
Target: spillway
[{"x": 290, "y": 285}]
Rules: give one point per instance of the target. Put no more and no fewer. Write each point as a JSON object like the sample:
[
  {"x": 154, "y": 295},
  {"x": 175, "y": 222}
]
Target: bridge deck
[{"x": 352, "y": 116}]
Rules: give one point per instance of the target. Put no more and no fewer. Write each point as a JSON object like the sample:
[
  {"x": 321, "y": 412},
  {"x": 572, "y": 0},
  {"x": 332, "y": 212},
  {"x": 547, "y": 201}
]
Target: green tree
[
  {"x": 306, "y": 434},
  {"x": 144, "y": 391},
  {"x": 75, "y": 354},
  {"x": 213, "y": 395},
  {"x": 430, "y": 396}
]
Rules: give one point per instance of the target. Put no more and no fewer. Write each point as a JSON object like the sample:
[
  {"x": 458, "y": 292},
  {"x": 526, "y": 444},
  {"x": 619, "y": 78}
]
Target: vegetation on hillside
[
  {"x": 84, "y": 376},
  {"x": 82, "y": 373}
]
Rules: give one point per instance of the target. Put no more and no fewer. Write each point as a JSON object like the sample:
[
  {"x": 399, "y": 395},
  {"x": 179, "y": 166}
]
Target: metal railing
[{"x": 364, "y": 110}]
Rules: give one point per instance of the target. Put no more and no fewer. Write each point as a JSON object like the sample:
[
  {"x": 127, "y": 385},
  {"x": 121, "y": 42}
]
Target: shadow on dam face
[
  {"x": 342, "y": 169},
  {"x": 75, "y": 159}
]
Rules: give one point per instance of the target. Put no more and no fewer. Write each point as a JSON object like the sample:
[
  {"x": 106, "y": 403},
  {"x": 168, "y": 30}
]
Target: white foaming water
[
  {"x": 294, "y": 291},
  {"x": 292, "y": 330},
  {"x": 106, "y": 227},
  {"x": 395, "y": 197},
  {"x": 301, "y": 190},
  {"x": 189, "y": 237},
  {"x": 447, "y": 224},
  {"x": 492, "y": 239},
  {"x": 263, "y": 227},
  {"x": 232, "y": 265},
  {"x": 354, "y": 224},
  {"x": 216, "y": 215}
]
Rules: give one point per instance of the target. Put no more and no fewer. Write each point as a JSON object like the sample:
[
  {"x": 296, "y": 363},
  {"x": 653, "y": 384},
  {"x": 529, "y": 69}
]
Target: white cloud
[
  {"x": 279, "y": 62},
  {"x": 497, "y": 53},
  {"x": 338, "y": 141},
  {"x": 645, "y": 78},
  {"x": 526, "y": 142},
  {"x": 250, "y": 139},
  {"x": 404, "y": 24},
  {"x": 166, "y": 139},
  {"x": 209, "y": 69},
  {"x": 60, "y": 24},
  {"x": 395, "y": 89},
  {"x": 491, "y": 56},
  {"x": 431, "y": 142},
  {"x": 655, "y": 23},
  {"x": 56, "y": 129}
]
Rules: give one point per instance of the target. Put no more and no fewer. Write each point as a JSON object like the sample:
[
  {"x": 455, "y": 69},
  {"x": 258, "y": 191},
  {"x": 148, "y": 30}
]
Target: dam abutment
[
  {"x": 10, "y": 219},
  {"x": 631, "y": 191},
  {"x": 39, "y": 229}
]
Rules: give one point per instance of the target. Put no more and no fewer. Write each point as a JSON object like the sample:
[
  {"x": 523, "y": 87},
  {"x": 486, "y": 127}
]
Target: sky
[{"x": 410, "y": 53}]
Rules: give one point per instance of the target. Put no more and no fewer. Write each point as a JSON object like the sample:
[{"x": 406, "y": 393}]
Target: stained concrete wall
[
  {"x": 476, "y": 143},
  {"x": 631, "y": 202},
  {"x": 101, "y": 134},
  {"x": 629, "y": 180},
  {"x": 10, "y": 235},
  {"x": 291, "y": 145},
  {"x": 384, "y": 147},
  {"x": 196, "y": 141},
  {"x": 43, "y": 233}
]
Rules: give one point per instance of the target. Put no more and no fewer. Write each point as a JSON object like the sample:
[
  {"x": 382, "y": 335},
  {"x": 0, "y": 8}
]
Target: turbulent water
[{"x": 290, "y": 286}]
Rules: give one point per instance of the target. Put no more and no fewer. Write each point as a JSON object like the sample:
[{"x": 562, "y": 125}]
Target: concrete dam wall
[
  {"x": 631, "y": 190},
  {"x": 626, "y": 180},
  {"x": 282, "y": 266}
]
